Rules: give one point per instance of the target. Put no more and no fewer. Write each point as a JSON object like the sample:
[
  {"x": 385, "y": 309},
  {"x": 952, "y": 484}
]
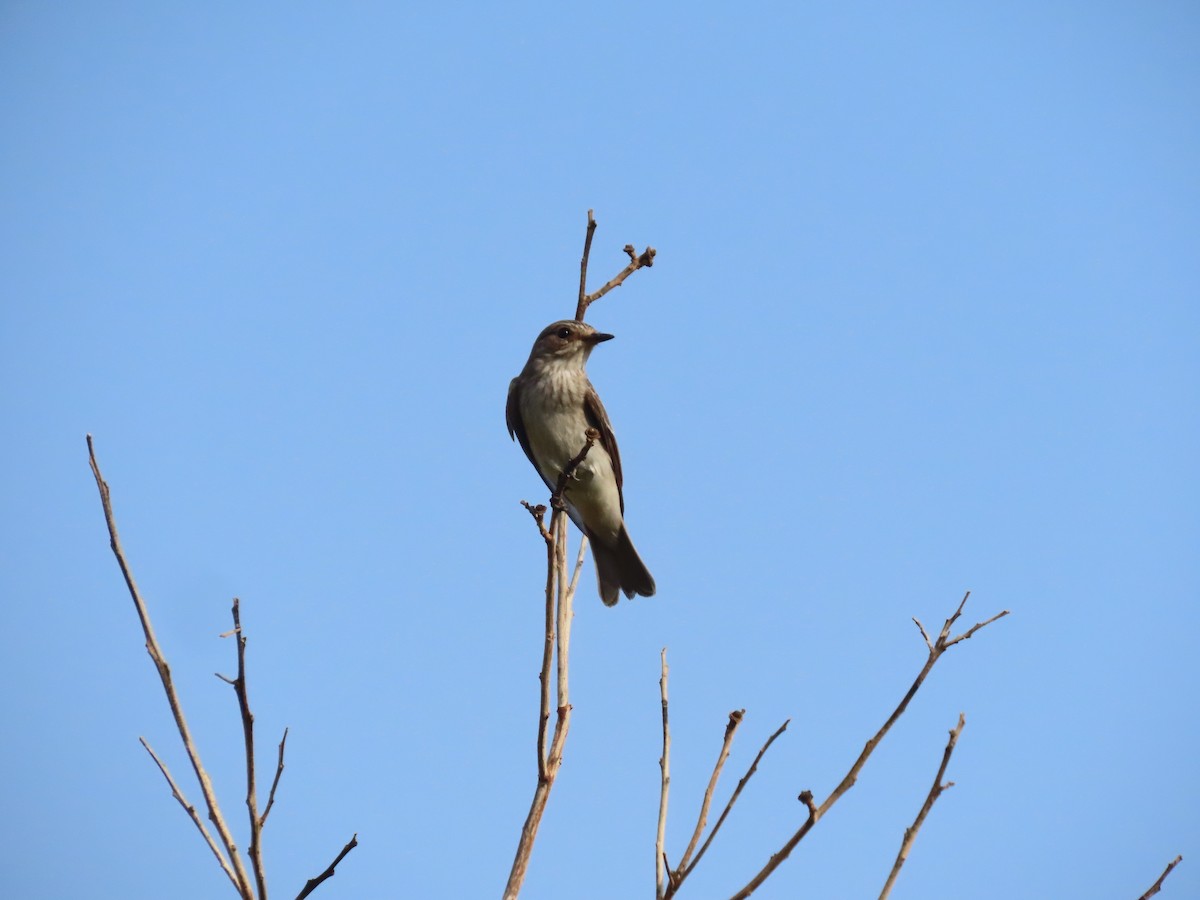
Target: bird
[{"x": 551, "y": 407}]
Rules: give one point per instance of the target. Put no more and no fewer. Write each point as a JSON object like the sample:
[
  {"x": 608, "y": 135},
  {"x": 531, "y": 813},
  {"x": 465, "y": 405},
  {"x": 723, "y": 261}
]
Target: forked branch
[
  {"x": 230, "y": 860},
  {"x": 642, "y": 260},
  {"x": 241, "y": 878},
  {"x": 936, "y": 649}
]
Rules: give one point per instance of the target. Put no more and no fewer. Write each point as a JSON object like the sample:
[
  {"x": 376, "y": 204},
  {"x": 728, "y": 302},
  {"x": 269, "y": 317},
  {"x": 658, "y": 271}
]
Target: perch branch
[
  {"x": 164, "y": 673},
  {"x": 560, "y": 595},
  {"x": 943, "y": 643},
  {"x": 1157, "y": 886},
  {"x": 645, "y": 260},
  {"x": 910, "y": 834},
  {"x": 313, "y": 883}
]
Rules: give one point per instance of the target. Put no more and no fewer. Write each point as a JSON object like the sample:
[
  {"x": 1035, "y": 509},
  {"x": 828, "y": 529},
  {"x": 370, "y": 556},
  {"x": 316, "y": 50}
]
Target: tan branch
[
  {"x": 681, "y": 873},
  {"x": 275, "y": 782},
  {"x": 313, "y": 883},
  {"x": 560, "y": 595},
  {"x": 192, "y": 814},
  {"x": 164, "y": 673},
  {"x": 910, "y": 834},
  {"x": 735, "y": 719},
  {"x": 662, "y": 871},
  {"x": 943, "y": 642},
  {"x": 582, "y": 304},
  {"x": 643, "y": 260},
  {"x": 254, "y": 851},
  {"x": 1157, "y": 886}
]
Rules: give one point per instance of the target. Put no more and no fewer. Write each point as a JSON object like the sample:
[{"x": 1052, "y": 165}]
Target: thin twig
[
  {"x": 591, "y": 435},
  {"x": 910, "y": 834},
  {"x": 192, "y": 814},
  {"x": 735, "y": 719},
  {"x": 939, "y": 647},
  {"x": 312, "y": 883},
  {"x": 1157, "y": 886},
  {"x": 582, "y": 305},
  {"x": 662, "y": 871},
  {"x": 164, "y": 674},
  {"x": 254, "y": 851},
  {"x": 643, "y": 260},
  {"x": 681, "y": 874},
  {"x": 275, "y": 782}
]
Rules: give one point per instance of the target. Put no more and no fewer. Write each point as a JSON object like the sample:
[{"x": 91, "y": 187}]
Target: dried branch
[
  {"x": 662, "y": 871},
  {"x": 643, "y": 260},
  {"x": 560, "y": 595},
  {"x": 910, "y": 834},
  {"x": 275, "y": 783},
  {"x": 1157, "y": 886},
  {"x": 192, "y": 814},
  {"x": 239, "y": 686},
  {"x": 938, "y": 647},
  {"x": 164, "y": 672},
  {"x": 735, "y": 719},
  {"x": 682, "y": 871},
  {"x": 582, "y": 304},
  {"x": 556, "y": 499},
  {"x": 312, "y": 883}
]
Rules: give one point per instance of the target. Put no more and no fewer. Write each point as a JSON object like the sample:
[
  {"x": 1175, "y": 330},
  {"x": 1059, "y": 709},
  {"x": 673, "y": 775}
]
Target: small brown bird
[{"x": 551, "y": 405}]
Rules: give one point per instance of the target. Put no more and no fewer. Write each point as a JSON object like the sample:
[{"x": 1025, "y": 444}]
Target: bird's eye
[{"x": 564, "y": 333}]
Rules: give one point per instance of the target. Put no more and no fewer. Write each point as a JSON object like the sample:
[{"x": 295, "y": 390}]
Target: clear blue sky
[{"x": 924, "y": 319}]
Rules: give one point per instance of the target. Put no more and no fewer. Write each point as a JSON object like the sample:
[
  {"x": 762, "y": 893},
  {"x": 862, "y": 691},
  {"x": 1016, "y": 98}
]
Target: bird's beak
[{"x": 599, "y": 337}]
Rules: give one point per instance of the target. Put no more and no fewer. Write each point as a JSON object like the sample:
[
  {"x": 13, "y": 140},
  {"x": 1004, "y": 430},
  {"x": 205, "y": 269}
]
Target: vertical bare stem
[
  {"x": 239, "y": 686},
  {"x": 559, "y": 602},
  {"x": 664, "y": 764},
  {"x": 581, "y": 306}
]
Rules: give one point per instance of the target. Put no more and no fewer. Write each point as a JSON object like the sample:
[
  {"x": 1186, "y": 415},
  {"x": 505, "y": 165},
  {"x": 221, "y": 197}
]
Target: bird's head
[{"x": 567, "y": 343}]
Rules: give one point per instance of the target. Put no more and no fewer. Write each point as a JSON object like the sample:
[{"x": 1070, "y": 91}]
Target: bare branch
[
  {"x": 662, "y": 871},
  {"x": 643, "y": 260},
  {"x": 560, "y": 595},
  {"x": 910, "y": 834},
  {"x": 192, "y": 814},
  {"x": 735, "y": 719},
  {"x": 164, "y": 673},
  {"x": 568, "y": 472},
  {"x": 683, "y": 873},
  {"x": 582, "y": 304},
  {"x": 239, "y": 686},
  {"x": 1157, "y": 886},
  {"x": 275, "y": 783},
  {"x": 539, "y": 516},
  {"x": 313, "y": 883},
  {"x": 943, "y": 643}
]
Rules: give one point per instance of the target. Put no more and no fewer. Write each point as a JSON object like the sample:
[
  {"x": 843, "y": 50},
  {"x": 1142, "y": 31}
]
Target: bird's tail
[{"x": 619, "y": 568}]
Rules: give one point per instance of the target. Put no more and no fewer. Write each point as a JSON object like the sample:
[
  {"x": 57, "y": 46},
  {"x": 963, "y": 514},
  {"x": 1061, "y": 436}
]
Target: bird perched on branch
[{"x": 551, "y": 406}]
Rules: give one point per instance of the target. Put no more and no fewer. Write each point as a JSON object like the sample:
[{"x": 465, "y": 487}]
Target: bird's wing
[
  {"x": 593, "y": 409},
  {"x": 516, "y": 427}
]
